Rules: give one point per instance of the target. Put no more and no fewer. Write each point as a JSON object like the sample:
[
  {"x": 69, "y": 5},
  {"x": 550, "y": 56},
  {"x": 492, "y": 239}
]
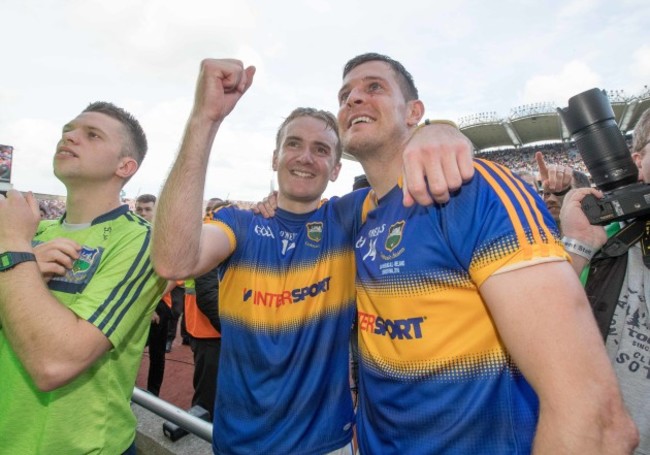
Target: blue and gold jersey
[
  {"x": 435, "y": 376},
  {"x": 286, "y": 303}
]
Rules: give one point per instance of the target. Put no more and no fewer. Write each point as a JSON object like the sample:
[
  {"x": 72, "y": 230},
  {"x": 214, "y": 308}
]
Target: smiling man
[
  {"x": 282, "y": 384},
  {"x": 286, "y": 292},
  {"x": 73, "y": 325},
  {"x": 475, "y": 336}
]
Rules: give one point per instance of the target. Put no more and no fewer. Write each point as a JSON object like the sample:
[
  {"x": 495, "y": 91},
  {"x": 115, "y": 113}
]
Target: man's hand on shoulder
[
  {"x": 266, "y": 207},
  {"x": 437, "y": 160}
]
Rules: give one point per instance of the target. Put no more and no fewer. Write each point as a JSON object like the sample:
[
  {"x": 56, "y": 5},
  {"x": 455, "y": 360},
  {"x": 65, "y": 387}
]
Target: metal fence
[{"x": 167, "y": 411}]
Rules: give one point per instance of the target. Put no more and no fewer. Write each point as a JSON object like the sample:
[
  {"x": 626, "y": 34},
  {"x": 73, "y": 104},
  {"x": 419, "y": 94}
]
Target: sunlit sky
[{"x": 467, "y": 57}]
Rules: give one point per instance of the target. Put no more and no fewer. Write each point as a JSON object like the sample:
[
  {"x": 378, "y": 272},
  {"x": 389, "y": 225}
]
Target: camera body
[
  {"x": 628, "y": 202},
  {"x": 592, "y": 124}
]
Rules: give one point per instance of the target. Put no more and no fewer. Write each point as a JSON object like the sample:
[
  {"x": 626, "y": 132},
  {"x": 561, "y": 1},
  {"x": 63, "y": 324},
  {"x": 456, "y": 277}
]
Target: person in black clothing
[
  {"x": 206, "y": 341},
  {"x": 145, "y": 206}
]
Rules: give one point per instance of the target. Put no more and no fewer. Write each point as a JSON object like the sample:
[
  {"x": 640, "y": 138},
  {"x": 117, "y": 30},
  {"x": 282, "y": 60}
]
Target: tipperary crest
[
  {"x": 86, "y": 258},
  {"x": 394, "y": 235},
  {"x": 315, "y": 231}
]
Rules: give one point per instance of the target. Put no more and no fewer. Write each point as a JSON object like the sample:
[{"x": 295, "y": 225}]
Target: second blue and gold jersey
[
  {"x": 286, "y": 303},
  {"x": 435, "y": 376}
]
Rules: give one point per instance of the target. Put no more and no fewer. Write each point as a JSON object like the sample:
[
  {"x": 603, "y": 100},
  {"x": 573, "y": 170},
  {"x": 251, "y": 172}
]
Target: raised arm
[
  {"x": 182, "y": 246},
  {"x": 545, "y": 321}
]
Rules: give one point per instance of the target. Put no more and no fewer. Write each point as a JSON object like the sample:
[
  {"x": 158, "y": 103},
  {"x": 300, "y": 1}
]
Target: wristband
[
  {"x": 577, "y": 247},
  {"x": 563, "y": 192},
  {"x": 439, "y": 122}
]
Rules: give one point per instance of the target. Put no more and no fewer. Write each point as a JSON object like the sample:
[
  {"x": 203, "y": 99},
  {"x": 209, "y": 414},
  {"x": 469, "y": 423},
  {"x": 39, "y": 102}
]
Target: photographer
[{"x": 619, "y": 290}]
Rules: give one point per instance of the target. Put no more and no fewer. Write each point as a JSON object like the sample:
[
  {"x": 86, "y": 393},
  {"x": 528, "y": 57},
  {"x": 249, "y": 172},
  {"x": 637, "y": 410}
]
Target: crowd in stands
[
  {"x": 51, "y": 209},
  {"x": 523, "y": 159}
]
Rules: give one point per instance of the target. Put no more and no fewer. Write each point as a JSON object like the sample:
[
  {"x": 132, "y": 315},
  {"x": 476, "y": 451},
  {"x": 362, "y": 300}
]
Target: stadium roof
[{"x": 540, "y": 122}]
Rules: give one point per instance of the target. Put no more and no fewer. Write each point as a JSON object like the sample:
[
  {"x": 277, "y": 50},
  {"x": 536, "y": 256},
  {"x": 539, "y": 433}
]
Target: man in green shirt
[{"x": 75, "y": 323}]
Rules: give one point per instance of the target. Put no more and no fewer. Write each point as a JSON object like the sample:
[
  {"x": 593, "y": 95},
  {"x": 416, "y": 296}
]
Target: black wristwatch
[{"x": 10, "y": 259}]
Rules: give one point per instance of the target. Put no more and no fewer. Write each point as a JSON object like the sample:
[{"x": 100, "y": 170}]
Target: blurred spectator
[
  {"x": 210, "y": 206},
  {"x": 360, "y": 181},
  {"x": 51, "y": 209},
  {"x": 530, "y": 178},
  {"x": 557, "y": 180},
  {"x": 145, "y": 206}
]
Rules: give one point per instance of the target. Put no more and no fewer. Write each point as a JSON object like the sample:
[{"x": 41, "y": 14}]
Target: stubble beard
[{"x": 361, "y": 148}]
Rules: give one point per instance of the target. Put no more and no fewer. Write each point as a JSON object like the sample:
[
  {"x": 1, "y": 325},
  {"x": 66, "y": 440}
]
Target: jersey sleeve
[
  {"x": 510, "y": 226},
  {"x": 229, "y": 219},
  {"x": 349, "y": 210}
]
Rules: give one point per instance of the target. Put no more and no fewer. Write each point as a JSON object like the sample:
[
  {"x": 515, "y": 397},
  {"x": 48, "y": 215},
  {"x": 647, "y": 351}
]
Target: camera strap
[
  {"x": 645, "y": 243},
  {"x": 607, "y": 271},
  {"x": 619, "y": 243}
]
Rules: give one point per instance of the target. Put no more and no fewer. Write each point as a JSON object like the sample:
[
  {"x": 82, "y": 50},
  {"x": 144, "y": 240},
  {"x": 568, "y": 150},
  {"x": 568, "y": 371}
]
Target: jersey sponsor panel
[
  {"x": 428, "y": 334},
  {"x": 268, "y": 300}
]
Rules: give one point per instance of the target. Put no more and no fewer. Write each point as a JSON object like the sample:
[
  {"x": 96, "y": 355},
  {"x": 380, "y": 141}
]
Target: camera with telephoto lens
[{"x": 590, "y": 119}]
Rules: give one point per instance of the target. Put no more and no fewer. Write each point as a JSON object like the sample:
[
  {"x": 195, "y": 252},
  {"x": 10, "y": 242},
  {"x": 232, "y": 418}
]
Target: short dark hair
[
  {"x": 404, "y": 78},
  {"x": 580, "y": 180},
  {"x": 136, "y": 146},
  {"x": 641, "y": 132},
  {"x": 325, "y": 116},
  {"x": 360, "y": 181},
  {"x": 146, "y": 198},
  {"x": 212, "y": 202}
]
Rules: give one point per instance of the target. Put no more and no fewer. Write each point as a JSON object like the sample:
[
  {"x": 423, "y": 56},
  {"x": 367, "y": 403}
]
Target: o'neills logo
[
  {"x": 394, "y": 235},
  {"x": 315, "y": 231}
]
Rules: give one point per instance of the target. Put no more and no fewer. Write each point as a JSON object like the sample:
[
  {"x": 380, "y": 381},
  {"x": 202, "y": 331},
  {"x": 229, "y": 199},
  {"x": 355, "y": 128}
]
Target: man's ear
[
  {"x": 415, "y": 112},
  {"x": 127, "y": 167},
  {"x": 638, "y": 158},
  {"x": 274, "y": 161},
  {"x": 334, "y": 174}
]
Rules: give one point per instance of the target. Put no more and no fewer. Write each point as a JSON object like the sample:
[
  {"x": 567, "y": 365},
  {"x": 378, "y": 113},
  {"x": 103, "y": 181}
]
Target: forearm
[
  {"x": 554, "y": 341},
  {"x": 581, "y": 408},
  {"x": 47, "y": 337},
  {"x": 609, "y": 432},
  {"x": 177, "y": 230}
]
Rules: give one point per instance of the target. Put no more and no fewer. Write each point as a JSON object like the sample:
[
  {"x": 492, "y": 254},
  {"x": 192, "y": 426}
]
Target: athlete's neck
[
  {"x": 383, "y": 174},
  {"x": 297, "y": 206},
  {"x": 84, "y": 207}
]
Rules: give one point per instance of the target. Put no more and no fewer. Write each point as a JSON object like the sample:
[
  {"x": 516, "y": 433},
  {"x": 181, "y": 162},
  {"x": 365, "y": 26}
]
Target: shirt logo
[
  {"x": 402, "y": 329},
  {"x": 264, "y": 231},
  {"x": 277, "y": 299},
  {"x": 315, "y": 231},
  {"x": 85, "y": 260},
  {"x": 394, "y": 235}
]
